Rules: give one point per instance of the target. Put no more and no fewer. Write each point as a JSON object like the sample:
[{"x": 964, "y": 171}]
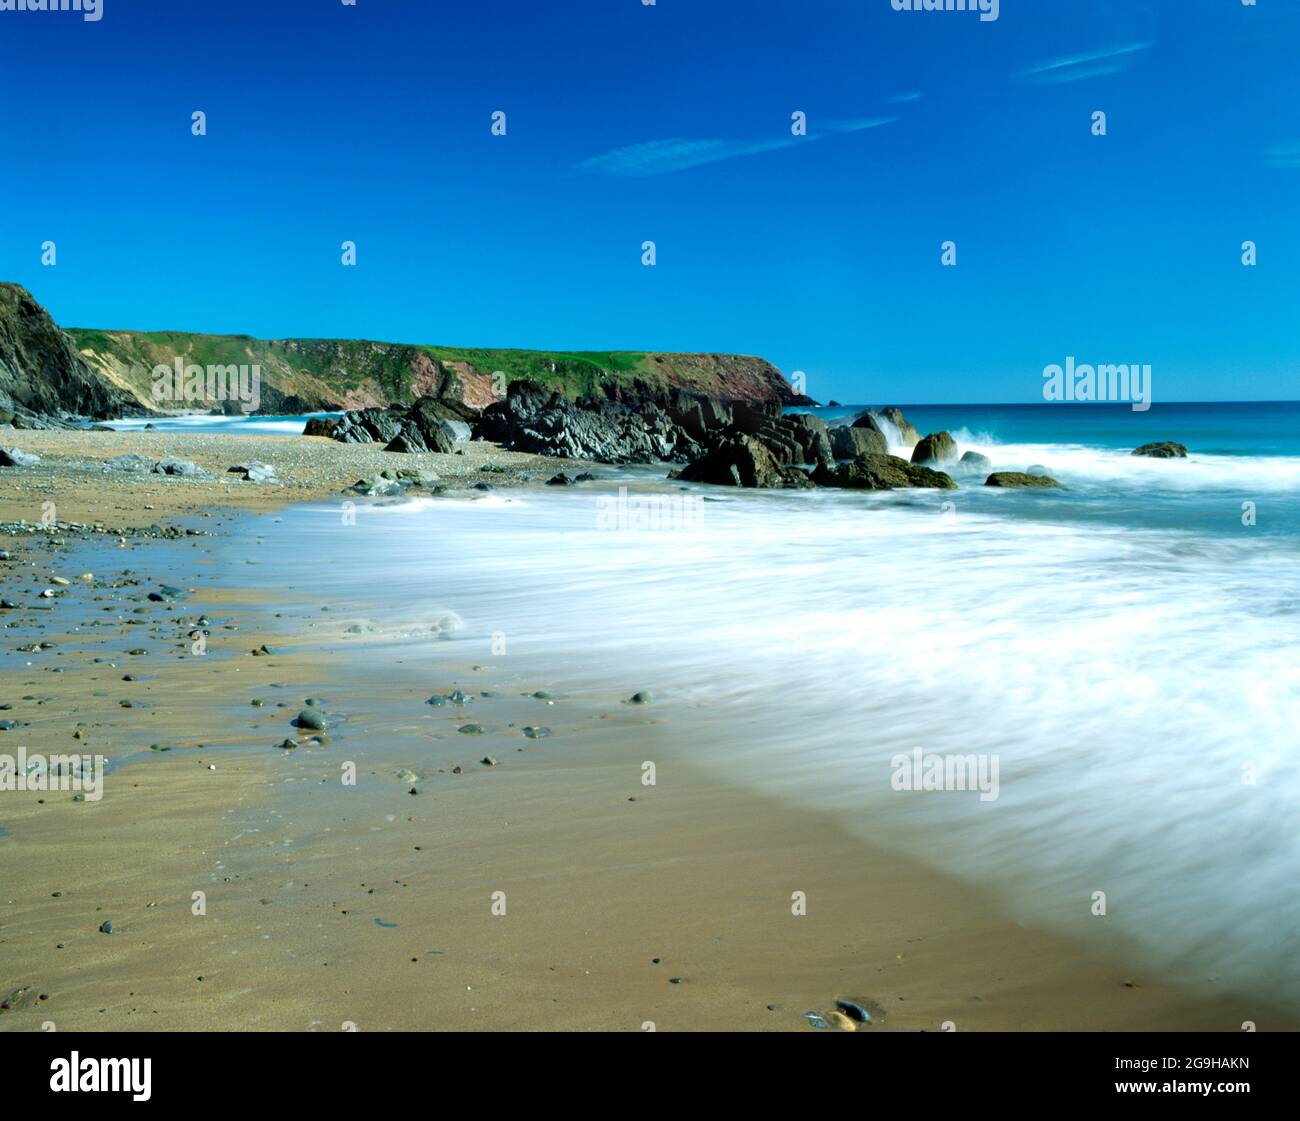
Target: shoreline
[{"x": 697, "y": 873}]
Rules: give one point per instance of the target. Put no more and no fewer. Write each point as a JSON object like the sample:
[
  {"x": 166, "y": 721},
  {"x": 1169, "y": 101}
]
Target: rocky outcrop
[
  {"x": 1163, "y": 449},
  {"x": 430, "y": 425},
  {"x": 881, "y": 472},
  {"x": 1019, "y": 479},
  {"x": 14, "y": 457},
  {"x": 907, "y": 434},
  {"x": 938, "y": 447},
  {"x": 851, "y": 441},
  {"x": 799, "y": 438},
  {"x": 535, "y": 419},
  {"x": 975, "y": 462},
  {"x": 41, "y": 373},
  {"x": 736, "y": 461}
]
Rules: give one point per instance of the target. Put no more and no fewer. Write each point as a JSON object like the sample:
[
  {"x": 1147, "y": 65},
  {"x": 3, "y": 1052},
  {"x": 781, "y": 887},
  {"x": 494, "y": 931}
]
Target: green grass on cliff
[{"x": 322, "y": 371}]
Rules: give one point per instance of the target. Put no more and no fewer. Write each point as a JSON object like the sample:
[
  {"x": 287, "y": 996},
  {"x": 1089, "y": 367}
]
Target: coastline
[{"x": 299, "y": 885}]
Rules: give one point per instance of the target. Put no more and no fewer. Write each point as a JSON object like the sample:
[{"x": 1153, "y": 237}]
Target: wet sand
[{"x": 328, "y": 905}]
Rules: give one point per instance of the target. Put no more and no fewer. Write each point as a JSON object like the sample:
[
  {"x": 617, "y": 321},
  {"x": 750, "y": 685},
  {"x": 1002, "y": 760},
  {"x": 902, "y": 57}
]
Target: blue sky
[{"x": 671, "y": 123}]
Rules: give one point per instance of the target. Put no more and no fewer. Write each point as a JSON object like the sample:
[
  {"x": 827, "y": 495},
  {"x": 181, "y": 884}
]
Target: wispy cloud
[
  {"x": 899, "y": 98},
  {"x": 658, "y": 157},
  {"x": 1077, "y": 68},
  {"x": 1283, "y": 155}
]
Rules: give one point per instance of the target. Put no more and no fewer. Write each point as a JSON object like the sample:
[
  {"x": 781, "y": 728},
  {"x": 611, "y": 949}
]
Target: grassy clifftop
[{"x": 353, "y": 373}]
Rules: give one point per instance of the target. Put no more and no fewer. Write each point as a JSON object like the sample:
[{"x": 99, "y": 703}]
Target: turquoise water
[
  {"x": 207, "y": 423},
  {"x": 1210, "y": 428},
  {"x": 1239, "y": 452}
]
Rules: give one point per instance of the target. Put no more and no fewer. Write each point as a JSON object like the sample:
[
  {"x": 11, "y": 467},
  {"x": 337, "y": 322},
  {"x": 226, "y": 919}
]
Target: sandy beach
[{"x": 487, "y": 880}]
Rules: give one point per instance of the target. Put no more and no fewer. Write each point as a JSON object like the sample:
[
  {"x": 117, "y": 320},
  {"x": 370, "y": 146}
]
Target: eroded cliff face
[
  {"x": 40, "y": 369},
  {"x": 358, "y": 374},
  {"x": 96, "y": 372}
]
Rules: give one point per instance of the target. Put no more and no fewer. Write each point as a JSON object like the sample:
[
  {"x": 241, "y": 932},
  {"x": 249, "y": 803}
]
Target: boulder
[
  {"x": 975, "y": 462},
  {"x": 185, "y": 468},
  {"x": 1163, "y": 449},
  {"x": 254, "y": 472},
  {"x": 1019, "y": 479},
  {"x": 321, "y": 426},
  {"x": 850, "y": 441},
  {"x": 907, "y": 434},
  {"x": 378, "y": 486},
  {"x": 736, "y": 461},
  {"x": 533, "y": 419},
  {"x": 882, "y": 472},
  {"x": 409, "y": 439},
  {"x": 937, "y": 447},
  {"x": 12, "y": 457},
  {"x": 809, "y": 434}
]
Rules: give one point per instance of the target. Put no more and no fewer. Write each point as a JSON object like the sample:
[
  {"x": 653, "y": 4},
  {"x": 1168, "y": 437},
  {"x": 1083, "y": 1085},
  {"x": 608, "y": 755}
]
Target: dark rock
[
  {"x": 534, "y": 419},
  {"x": 851, "y": 441},
  {"x": 975, "y": 462},
  {"x": 183, "y": 468},
  {"x": 311, "y": 720},
  {"x": 560, "y": 480},
  {"x": 378, "y": 486},
  {"x": 1163, "y": 449},
  {"x": 882, "y": 472},
  {"x": 254, "y": 472},
  {"x": 938, "y": 447},
  {"x": 12, "y": 457},
  {"x": 408, "y": 440},
  {"x": 737, "y": 461},
  {"x": 42, "y": 374},
  {"x": 1019, "y": 479},
  {"x": 906, "y": 432}
]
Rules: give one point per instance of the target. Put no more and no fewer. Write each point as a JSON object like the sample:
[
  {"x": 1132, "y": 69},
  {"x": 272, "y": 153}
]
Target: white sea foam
[{"x": 205, "y": 422}]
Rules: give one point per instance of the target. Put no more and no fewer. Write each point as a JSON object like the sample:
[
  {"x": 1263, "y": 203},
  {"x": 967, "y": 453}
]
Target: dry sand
[{"x": 327, "y": 905}]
